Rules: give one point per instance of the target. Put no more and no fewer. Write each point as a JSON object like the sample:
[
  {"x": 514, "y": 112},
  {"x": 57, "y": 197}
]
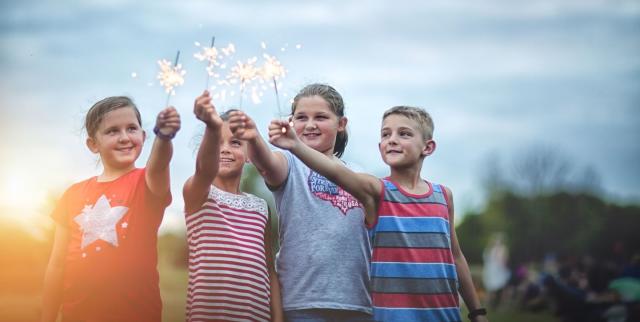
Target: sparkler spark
[
  {"x": 272, "y": 68},
  {"x": 170, "y": 76},
  {"x": 243, "y": 73}
]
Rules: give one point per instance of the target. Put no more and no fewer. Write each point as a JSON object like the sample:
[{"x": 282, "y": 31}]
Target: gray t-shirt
[{"x": 324, "y": 254}]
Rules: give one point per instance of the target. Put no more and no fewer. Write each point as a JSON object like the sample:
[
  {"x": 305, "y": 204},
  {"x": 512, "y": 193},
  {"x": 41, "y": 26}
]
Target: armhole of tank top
[{"x": 446, "y": 196}]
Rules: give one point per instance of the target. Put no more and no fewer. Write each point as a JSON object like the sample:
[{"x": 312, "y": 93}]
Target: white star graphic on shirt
[{"x": 99, "y": 222}]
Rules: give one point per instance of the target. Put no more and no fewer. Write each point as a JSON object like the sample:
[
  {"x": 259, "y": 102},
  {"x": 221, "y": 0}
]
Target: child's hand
[
  {"x": 206, "y": 112},
  {"x": 282, "y": 135},
  {"x": 167, "y": 122},
  {"x": 242, "y": 126}
]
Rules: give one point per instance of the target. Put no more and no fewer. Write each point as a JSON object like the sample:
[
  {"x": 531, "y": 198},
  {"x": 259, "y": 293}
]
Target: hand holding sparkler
[
  {"x": 282, "y": 135},
  {"x": 242, "y": 126},
  {"x": 167, "y": 123},
  {"x": 206, "y": 112}
]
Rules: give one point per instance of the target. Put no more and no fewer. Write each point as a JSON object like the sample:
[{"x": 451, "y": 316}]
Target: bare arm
[
  {"x": 271, "y": 165},
  {"x": 364, "y": 187},
  {"x": 157, "y": 174},
  {"x": 277, "y": 314},
  {"x": 52, "y": 292},
  {"x": 197, "y": 187},
  {"x": 467, "y": 289}
]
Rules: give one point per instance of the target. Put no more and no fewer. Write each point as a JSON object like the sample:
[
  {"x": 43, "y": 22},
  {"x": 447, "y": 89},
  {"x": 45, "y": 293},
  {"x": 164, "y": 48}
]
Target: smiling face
[
  {"x": 402, "y": 144},
  {"x": 316, "y": 124},
  {"x": 233, "y": 154},
  {"x": 118, "y": 139}
]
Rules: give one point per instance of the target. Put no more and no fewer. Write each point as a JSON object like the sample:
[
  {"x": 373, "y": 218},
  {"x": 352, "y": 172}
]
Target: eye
[
  {"x": 300, "y": 117},
  {"x": 406, "y": 133},
  {"x": 132, "y": 128},
  {"x": 384, "y": 134},
  {"x": 236, "y": 143}
]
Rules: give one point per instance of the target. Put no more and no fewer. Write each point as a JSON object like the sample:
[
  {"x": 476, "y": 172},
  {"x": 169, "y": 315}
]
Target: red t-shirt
[{"x": 111, "y": 264}]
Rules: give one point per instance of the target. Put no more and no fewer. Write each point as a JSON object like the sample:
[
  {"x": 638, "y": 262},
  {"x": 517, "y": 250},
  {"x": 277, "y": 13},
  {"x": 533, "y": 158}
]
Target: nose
[
  {"x": 310, "y": 124},
  {"x": 123, "y": 136}
]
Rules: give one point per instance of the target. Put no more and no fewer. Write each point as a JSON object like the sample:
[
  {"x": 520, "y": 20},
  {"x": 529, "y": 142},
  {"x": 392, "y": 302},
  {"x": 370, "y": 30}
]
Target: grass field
[{"x": 20, "y": 288}]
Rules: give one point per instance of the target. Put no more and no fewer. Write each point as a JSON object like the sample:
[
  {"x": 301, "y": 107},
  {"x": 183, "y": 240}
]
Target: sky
[{"x": 498, "y": 76}]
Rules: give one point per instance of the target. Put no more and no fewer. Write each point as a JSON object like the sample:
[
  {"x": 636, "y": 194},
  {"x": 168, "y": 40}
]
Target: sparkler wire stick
[
  {"x": 174, "y": 65},
  {"x": 275, "y": 86},
  {"x": 213, "y": 40}
]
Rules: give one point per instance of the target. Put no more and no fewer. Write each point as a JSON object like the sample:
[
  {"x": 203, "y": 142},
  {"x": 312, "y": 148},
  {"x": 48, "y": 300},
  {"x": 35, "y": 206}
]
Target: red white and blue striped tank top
[
  {"x": 228, "y": 276},
  {"x": 413, "y": 274}
]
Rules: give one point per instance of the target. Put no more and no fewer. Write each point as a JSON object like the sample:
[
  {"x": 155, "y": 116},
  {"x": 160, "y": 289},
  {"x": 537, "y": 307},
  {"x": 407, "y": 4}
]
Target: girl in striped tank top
[
  {"x": 231, "y": 272},
  {"x": 417, "y": 267}
]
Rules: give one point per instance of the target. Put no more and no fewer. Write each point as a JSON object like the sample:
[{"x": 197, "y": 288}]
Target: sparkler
[
  {"x": 209, "y": 54},
  {"x": 171, "y": 76},
  {"x": 243, "y": 73},
  {"x": 271, "y": 70}
]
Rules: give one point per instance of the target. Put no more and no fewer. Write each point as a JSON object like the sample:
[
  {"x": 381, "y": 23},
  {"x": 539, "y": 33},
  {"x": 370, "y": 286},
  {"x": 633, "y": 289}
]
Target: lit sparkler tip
[{"x": 134, "y": 75}]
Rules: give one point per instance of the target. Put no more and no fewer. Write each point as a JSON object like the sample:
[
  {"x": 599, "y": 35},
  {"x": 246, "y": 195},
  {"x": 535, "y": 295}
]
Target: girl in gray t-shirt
[{"x": 323, "y": 262}]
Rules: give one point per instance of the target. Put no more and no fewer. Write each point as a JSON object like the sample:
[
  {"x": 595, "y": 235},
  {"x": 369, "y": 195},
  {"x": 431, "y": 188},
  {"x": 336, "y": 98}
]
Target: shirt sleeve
[{"x": 60, "y": 213}]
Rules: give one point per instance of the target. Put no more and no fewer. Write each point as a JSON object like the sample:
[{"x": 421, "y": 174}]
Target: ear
[
  {"x": 144, "y": 135},
  {"x": 429, "y": 148},
  {"x": 342, "y": 124},
  {"x": 92, "y": 144}
]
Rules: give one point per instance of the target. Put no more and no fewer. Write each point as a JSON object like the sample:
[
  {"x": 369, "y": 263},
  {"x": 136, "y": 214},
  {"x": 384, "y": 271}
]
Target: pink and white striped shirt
[{"x": 228, "y": 275}]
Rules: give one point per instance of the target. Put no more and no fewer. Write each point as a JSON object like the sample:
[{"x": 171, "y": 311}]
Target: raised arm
[
  {"x": 467, "y": 289},
  {"x": 157, "y": 174},
  {"x": 52, "y": 293},
  {"x": 364, "y": 187},
  {"x": 271, "y": 165},
  {"x": 197, "y": 187}
]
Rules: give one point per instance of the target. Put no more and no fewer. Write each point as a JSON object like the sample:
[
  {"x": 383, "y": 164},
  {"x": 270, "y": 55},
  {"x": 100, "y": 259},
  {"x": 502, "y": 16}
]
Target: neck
[
  {"x": 231, "y": 185},
  {"x": 408, "y": 178},
  {"x": 110, "y": 174}
]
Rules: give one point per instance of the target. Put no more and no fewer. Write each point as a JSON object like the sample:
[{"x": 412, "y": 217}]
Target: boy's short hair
[{"x": 417, "y": 114}]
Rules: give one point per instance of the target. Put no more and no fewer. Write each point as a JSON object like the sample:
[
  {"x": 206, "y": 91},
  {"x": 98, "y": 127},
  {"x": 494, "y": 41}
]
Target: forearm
[
  {"x": 319, "y": 162},
  {"x": 467, "y": 289},
  {"x": 261, "y": 156},
  {"x": 277, "y": 314},
  {"x": 52, "y": 294},
  {"x": 207, "y": 161},
  {"x": 160, "y": 157}
]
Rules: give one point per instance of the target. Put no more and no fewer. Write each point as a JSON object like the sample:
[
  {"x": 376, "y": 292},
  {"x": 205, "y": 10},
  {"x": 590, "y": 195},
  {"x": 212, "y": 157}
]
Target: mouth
[
  {"x": 226, "y": 160},
  {"x": 394, "y": 152},
  {"x": 126, "y": 149},
  {"x": 310, "y": 135}
]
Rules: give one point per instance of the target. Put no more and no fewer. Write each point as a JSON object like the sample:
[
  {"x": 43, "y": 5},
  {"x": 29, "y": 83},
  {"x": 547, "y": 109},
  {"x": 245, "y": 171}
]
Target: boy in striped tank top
[
  {"x": 417, "y": 266},
  {"x": 231, "y": 272}
]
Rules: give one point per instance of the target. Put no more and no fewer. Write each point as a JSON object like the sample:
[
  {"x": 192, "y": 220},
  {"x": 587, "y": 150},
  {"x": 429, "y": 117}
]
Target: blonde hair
[{"x": 417, "y": 114}]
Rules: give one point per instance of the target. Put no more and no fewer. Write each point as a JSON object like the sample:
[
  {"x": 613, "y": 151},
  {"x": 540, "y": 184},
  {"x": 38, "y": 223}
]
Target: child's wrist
[{"x": 162, "y": 136}]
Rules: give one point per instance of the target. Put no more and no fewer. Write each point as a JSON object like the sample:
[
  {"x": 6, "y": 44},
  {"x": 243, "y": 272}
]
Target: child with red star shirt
[{"x": 104, "y": 258}]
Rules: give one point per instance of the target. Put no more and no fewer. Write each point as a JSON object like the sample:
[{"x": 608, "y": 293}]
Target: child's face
[
  {"x": 316, "y": 124},
  {"x": 401, "y": 142},
  {"x": 118, "y": 139},
  {"x": 233, "y": 154}
]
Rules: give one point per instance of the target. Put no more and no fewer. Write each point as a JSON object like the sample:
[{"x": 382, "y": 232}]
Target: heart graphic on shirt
[{"x": 324, "y": 189}]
